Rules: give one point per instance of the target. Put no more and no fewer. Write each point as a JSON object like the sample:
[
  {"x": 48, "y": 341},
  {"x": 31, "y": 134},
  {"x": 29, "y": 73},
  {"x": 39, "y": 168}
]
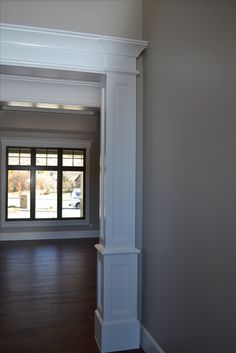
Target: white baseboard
[
  {"x": 148, "y": 344},
  {"x": 114, "y": 336},
  {"x": 49, "y": 235}
]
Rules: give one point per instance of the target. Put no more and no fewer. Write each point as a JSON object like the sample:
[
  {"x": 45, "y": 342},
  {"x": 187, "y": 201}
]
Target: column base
[{"x": 114, "y": 336}]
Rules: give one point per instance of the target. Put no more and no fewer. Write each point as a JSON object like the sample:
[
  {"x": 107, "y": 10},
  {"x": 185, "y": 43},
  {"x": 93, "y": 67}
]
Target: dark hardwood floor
[{"x": 48, "y": 296}]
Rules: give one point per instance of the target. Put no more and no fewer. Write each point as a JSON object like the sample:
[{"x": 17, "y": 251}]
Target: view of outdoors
[
  {"x": 48, "y": 192},
  {"x": 72, "y": 194},
  {"x": 18, "y": 194}
]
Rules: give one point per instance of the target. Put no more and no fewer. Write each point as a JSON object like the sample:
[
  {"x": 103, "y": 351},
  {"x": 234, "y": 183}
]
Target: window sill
[{"x": 47, "y": 223}]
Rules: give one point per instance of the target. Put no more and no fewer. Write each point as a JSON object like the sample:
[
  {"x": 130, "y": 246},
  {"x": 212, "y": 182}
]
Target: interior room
[
  {"x": 117, "y": 181},
  {"x": 50, "y": 284},
  {"x": 50, "y": 128}
]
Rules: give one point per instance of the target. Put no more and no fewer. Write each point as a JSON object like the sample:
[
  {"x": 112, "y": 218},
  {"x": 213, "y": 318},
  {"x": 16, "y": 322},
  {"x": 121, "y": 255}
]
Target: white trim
[
  {"x": 50, "y": 80},
  {"x": 57, "y": 49},
  {"x": 40, "y": 142},
  {"x": 49, "y": 235},
  {"x": 116, "y": 335},
  {"x": 148, "y": 344},
  {"x": 102, "y": 161},
  {"x": 43, "y": 142},
  {"x": 118, "y": 328},
  {"x": 78, "y": 35},
  {"x": 45, "y": 90},
  {"x": 47, "y": 223},
  {"x": 105, "y": 251}
]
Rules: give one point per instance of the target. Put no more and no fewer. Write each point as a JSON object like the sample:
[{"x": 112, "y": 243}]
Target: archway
[{"x": 113, "y": 62}]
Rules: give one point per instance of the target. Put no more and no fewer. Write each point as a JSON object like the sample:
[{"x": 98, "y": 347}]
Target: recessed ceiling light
[
  {"x": 19, "y": 104},
  {"x": 47, "y": 105},
  {"x": 72, "y": 107}
]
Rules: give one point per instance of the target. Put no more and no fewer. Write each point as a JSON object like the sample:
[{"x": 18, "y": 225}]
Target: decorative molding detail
[
  {"x": 148, "y": 344},
  {"x": 49, "y": 235},
  {"x": 120, "y": 156},
  {"x": 55, "y": 49},
  {"x": 50, "y": 80},
  {"x": 102, "y": 167},
  {"x": 116, "y": 324},
  {"x": 116, "y": 335},
  {"x": 106, "y": 251},
  {"x": 120, "y": 287},
  {"x": 45, "y": 90},
  {"x": 114, "y": 60}
]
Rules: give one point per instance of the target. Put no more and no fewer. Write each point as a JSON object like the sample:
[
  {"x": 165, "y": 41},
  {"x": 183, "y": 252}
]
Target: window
[{"x": 45, "y": 183}]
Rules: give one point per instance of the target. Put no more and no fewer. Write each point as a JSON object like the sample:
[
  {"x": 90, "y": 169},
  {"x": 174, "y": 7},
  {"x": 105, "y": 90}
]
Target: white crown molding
[
  {"x": 71, "y": 34},
  {"x": 38, "y": 47}
]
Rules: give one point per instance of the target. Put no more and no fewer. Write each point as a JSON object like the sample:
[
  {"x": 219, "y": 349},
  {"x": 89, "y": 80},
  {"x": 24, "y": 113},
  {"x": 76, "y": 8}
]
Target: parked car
[{"x": 75, "y": 198}]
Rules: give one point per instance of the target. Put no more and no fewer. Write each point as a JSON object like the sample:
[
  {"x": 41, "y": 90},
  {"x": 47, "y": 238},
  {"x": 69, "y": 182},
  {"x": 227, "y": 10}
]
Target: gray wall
[
  {"x": 122, "y": 18},
  {"x": 189, "y": 238},
  {"x": 15, "y": 124}
]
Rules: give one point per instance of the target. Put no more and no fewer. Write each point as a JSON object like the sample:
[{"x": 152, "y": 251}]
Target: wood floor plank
[{"x": 48, "y": 296}]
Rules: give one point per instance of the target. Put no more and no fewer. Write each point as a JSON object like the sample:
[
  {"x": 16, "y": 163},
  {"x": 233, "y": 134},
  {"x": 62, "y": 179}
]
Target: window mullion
[
  {"x": 84, "y": 183},
  {"x": 33, "y": 184},
  {"x": 59, "y": 185}
]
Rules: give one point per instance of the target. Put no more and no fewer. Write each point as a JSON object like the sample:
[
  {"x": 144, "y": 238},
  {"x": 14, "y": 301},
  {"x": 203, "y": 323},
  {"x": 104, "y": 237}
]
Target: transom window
[{"x": 45, "y": 183}]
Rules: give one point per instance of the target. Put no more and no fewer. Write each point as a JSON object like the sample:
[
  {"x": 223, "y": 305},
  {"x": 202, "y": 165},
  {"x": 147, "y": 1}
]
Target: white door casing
[{"x": 116, "y": 323}]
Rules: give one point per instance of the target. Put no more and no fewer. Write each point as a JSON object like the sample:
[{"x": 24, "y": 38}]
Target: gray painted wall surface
[
  {"x": 122, "y": 18},
  {"x": 189, "y": 238},
  {"x": 57, "y": 126}
]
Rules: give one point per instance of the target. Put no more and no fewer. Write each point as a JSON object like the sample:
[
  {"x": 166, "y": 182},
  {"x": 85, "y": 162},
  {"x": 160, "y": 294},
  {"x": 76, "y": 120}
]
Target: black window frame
[{"x": 59, "y": 168}]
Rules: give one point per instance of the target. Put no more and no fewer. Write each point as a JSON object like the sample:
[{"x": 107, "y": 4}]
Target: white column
[{"x": 116, "y": 324}]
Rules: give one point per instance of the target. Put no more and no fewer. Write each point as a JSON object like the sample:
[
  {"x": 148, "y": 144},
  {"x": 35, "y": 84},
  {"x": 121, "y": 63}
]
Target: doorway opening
[
  {"x": 48, "y": 292},
  {"x": 50, "y": 155}
]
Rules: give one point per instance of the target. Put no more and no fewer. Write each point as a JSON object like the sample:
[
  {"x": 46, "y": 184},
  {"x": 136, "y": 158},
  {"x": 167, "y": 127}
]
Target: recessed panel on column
[
  {"x": 120, "y": 287},
  {"x": 120, "y": 161}
]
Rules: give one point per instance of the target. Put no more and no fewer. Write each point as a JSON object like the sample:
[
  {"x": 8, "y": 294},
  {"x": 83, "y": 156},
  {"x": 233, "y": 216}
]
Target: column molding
[
  {"x": 117, "y": 326},
  {"x": 27, "y": 46},
  {"x": 112, "y": 61}
]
